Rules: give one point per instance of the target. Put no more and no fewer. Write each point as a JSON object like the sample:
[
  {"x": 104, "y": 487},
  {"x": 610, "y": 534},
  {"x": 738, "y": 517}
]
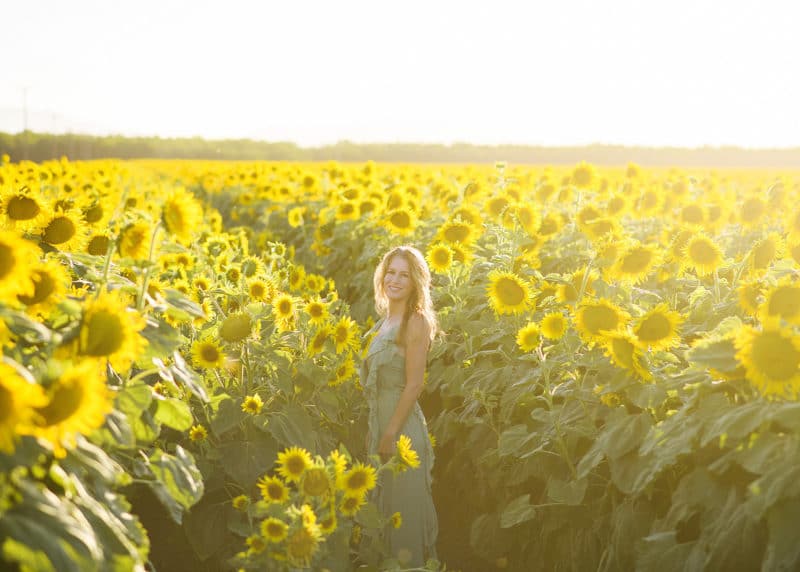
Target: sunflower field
[{"x": 615, "y": 387}]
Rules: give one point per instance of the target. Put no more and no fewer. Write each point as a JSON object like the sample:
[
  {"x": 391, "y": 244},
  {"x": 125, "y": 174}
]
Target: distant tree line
[{"x": 43, "y": 146}]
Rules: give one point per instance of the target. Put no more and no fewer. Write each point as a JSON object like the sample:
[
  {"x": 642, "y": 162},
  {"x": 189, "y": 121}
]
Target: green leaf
[
  {"x": 566, "y": 492},
  {"x": 174, "y": 413},
  {"x": 783, "y": 550},
  {"x": 228, "y": 416},
  {"x": 513, "y": 441},
  {"x": 26, "y": 557},
  {"x": 246, "y": 461},
  {"x": 517, "y": 511},
  {"x": 185, "y": 306},
  {"x": 162, "y": 340},
  {"x": 719, "y": 354},
  {"x": 207, "y": 527},
  {"x": 135, "y": 398},
  {"x": 623, "y": 432},
  {"x": 292, "y": 427},
  {"x": 178, "y": 483}
]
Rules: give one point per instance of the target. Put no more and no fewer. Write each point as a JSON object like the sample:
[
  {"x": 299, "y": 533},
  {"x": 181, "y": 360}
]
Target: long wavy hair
[{"x": 420, "y": 299}]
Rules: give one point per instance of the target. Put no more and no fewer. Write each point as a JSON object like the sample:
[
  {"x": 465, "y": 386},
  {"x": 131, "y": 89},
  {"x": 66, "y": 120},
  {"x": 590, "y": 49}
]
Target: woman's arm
[{"x": 417, "y": 342}]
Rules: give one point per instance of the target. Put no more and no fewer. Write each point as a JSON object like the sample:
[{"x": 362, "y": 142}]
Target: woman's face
[{"x": 397, "y": 281}]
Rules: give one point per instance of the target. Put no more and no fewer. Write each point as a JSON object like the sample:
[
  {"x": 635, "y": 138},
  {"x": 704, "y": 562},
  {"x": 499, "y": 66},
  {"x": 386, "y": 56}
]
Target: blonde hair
[{"x": 420, "y": 299}]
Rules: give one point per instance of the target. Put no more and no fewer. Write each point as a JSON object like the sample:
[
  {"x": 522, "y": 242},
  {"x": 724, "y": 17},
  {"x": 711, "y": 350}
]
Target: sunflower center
[
  {"x": 274, "y": 491},
  {"x": 315, "y": 311},
  {"x": 654, "y": 328},
  {"x": 275, "y": 529},
  {"x": 510, "y": 292},
  {"x": 93, "y": 213},
  {"x": 284, "y": 307},
  {"x": 235, "y": 328},
  {"x": 22, "y": 208},
  {"x": 457, "y": 233},
  {"x": 174, "y": 219},
  {"x": 702, "y": 252},
  {"x": 105, "y": 334},
  {"x": 63, "y": 404},
  {"x": 257, "y": 290},
  {"x": 441, "y": 257},
  {"x": 209, "y": 353},
  {"x": 44, "y": 285},
  {"x": 401, "y": 220},
  {"x": 341, "y": 334},
  {"x": 98, "y": 245},
  {"x": 7, "y": 260},
  {"x": 295, "y": 465},
  {"x": 636, "y": 260},
  {"x": 775, "y": 356},
  {"x": 785, "y": 302},
  {"x": 598, "y": 318},
  {"x": 692, "y": 214},
  {"x": 60, "y": 230},
  {"x": 357, "y": 480}
]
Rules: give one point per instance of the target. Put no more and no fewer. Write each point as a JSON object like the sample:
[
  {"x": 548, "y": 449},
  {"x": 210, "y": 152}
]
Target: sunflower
[
  {"x": 440, "y": 257},
  {"x": 692, "y": 214},
  {"x": 622, "y": 348},
  {"x": 345, "y": 334},
  {"x": 658, "y": 328},
  {"x": 508, "y": 293},
  {"x": 351, "y": 504},
  {"x": 783, "y": 301},
  {"x": 236, "y": 327},
  {"x": 793, "y": 249},
  {"x": 752, "y": 211},
  {"x": 339, "y": 463},
  {"x": 50, "y": 282},
  {"x": 274, "y": 529},
  {"x": 771, "y": 359},
  {"x": 678, "y": 240},
  {"x": 208, "y": 354},
  {"x": 19, "y": 400},
  {"x": 406, "y": 456},
  {"x": 259, "y": 290},
  {"x": 701, "y": 254},
  {"x": 528, "y": 337},
  {"x": 347, "y": 210},
  {"x": 24, "y": 209},
  {"x": 593, "y": 317},
  {"x": 634, "y": 263},
  {"x": 316, "y": 344},
  {"x": 297, "y": 277},
  {"x": 328, "y": 525},
  {"x": 17, "y": 264},
  {"x": 110, "y": 330},
  {"x": 315, "y": 482},
  {"x": 396, "y": 520},
  {"x": 182, "y": 215},
  {"x": 295, "y": 216},
  {"x": 400, "y": 221},
  {"x": 273, "y": 489},
  {"x": 302, "y": 544},
  {"x": 64, "y": 230},
  {"x": 358, "y": 480},
  {"x": 497, "y": 205},
  {"x": 461, "y": 254},
  {"x": 241, "y": 502},
  {"x": 293, "y": 462},
  {"x": 583, "y": 175},
  {"x": 252, "y": 404},
  {"x": 602, "y": 228},
  {"x": 77, "y": 403},
  {"x": 98, "y": 243},
  {"x": 765, "y": 252},
  {"x": 256, "y": 544},
  {"x": 551, "y": 224},
  {"x": 134, "y": 240},
  {"x": 344, "y": 371},
  {"x": 317, "y": 311},
  {"x": 553, "y": 326},
  {"x": 198, "y": 433},
  {"x": 570, "y": 291},
  {"x": 457, "y": 232},
  {"x": 284, "y": 307},
  {"x": 468, "y": 214},
  {"x": 749, "y": 294}
]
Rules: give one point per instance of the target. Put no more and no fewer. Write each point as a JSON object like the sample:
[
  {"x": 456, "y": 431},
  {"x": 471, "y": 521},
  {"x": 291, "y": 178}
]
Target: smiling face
[{"x": 397, "y": 282}]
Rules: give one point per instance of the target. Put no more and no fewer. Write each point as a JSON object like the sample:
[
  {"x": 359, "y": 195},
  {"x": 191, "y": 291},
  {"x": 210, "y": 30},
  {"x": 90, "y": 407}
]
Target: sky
[{"x": 685, "y": 73}]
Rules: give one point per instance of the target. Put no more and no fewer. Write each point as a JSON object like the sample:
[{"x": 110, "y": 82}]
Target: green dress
[{"x": 409, "y": 492}]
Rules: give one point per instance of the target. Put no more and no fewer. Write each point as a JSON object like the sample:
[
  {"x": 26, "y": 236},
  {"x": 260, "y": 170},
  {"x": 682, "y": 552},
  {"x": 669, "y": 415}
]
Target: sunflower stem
[
  {"x": 716, "y": 286},
  {"x": 146, "y": 277}
]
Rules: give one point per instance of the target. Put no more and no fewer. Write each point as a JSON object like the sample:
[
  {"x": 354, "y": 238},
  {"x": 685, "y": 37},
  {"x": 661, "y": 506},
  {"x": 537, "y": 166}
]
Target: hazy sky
[{"x": 553, "y": 72}]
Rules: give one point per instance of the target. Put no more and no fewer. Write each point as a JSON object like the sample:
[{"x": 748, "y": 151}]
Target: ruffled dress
[{"x": 409, "y": 493}]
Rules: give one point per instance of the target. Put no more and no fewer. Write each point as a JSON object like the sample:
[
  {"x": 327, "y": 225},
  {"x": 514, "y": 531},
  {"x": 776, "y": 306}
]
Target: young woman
[{"x": 392, "y": 375}]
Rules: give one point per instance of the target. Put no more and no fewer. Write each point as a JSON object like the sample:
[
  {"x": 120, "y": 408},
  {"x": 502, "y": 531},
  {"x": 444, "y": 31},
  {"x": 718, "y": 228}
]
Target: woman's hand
[{"x": 387, "y": 445}]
